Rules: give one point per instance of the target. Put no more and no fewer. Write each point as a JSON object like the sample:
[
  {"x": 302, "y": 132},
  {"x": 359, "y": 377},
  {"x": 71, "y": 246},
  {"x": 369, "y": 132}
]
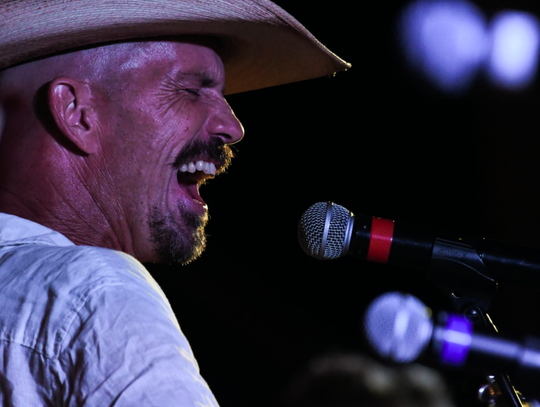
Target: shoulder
[
  {"x": 42, "y": 282},
  {"x": 99, "y": 317},
  {"x": 126, "y": 342}
]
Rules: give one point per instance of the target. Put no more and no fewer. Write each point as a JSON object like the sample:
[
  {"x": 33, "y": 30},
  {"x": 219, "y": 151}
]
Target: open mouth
[{"x": 194, "y": 174}]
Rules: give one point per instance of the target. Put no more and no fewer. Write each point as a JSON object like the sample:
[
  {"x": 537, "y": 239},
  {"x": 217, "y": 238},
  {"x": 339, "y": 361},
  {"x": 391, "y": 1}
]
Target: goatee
[{"x": 178, "y": 242}]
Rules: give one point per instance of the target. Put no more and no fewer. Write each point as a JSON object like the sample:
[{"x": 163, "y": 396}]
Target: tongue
[{"x": 192, "y": 190}]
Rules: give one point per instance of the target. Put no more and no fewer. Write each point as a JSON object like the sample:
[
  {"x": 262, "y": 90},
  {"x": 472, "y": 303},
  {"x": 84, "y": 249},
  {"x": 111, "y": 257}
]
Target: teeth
[{"x": 206, "y": 167}]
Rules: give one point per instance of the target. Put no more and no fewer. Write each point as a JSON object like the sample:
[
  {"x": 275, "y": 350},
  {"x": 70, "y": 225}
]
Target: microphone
[
  {"x": 329, "y": 231},
  {"x": 400, "y": 328}
]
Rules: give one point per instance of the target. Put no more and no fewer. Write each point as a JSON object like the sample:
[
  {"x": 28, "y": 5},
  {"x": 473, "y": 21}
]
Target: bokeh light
[
  {"x": 445, "y": 40},
  {"x": 513, "y": 60}
]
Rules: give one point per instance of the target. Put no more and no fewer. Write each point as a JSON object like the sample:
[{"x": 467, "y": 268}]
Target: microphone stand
[{"x": 471, "y": 288}]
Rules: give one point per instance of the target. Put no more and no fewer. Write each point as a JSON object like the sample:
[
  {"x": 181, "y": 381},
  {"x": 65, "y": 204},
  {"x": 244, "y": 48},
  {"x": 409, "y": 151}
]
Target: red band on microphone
[{"x": 382, "y": 232}]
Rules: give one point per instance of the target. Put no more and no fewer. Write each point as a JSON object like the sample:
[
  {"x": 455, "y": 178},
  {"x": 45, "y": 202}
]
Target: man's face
[{"x": 168, "y": 129}]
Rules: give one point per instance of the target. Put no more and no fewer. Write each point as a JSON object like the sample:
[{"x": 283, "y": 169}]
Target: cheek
[
  {"x": 150, "y": 139},
  {"x": 185, "y": 117}
]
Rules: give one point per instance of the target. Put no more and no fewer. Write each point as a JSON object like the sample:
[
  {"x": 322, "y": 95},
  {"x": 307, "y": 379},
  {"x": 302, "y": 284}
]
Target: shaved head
[{"x": 101, "y": 66}]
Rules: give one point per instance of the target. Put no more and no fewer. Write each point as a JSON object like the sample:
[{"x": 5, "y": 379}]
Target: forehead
[{"x": 193, "y": 60}]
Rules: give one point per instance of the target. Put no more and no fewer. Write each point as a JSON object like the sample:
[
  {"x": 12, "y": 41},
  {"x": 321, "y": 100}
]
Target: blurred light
[
  {"x": 446, "y": 40},
  {"x": 515, "y": 38}
]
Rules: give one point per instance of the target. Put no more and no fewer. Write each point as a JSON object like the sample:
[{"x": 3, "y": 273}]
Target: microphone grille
[
  {"x": 398, "y": 326},
  {"x": 324, "y": 225}
]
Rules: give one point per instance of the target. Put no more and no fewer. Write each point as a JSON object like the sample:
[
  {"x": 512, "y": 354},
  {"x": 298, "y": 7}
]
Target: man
[{"x": 103, "y": 149}]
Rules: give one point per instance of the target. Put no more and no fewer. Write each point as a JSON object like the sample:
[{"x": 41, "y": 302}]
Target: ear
[{"x": 71, "y": 105}]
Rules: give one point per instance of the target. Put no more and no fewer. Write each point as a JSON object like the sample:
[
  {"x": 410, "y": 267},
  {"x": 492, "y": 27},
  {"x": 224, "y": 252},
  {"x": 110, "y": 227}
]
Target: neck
[
  {"x": 49, "y": 186},
  {"x": 82, "y": 225}
]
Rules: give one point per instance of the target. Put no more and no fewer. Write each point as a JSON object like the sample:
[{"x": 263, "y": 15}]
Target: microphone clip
[{"x": 457, "y": 269}]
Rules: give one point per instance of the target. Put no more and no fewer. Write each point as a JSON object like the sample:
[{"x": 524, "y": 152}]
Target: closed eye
[{"x": 191, "y": 91}]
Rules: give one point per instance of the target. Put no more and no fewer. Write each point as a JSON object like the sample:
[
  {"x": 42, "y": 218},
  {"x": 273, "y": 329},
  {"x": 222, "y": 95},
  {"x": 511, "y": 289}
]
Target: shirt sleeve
[{"x": 125, "y": 348}]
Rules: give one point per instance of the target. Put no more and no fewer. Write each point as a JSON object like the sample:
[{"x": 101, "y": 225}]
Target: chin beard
[{"x": 174, "y": 242}]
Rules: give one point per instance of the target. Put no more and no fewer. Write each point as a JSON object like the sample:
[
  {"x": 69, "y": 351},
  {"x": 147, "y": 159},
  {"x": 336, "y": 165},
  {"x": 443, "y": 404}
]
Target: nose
[{"x": 225, "y": 125}]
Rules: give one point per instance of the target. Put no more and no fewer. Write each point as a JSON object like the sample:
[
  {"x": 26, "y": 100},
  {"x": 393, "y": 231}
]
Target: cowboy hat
[{"x": 265, "y": 44}]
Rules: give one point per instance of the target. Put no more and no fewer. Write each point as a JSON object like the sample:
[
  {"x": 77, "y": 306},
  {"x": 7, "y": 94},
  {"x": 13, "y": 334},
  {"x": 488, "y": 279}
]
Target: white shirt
[{"x": 87, "y": 326}]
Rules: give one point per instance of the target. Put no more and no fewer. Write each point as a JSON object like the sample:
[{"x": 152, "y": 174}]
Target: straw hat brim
[{"x": 266, "y": 45}]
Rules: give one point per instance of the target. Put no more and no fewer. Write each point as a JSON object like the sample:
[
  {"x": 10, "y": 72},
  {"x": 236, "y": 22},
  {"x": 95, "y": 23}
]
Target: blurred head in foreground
[{"x": 353, "y": 380}]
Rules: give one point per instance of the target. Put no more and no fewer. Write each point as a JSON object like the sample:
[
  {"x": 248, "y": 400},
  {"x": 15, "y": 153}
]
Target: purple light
[
  {"x": 456, "y": 340},
  {"x": 515, "y": 38},
  {"x": 446, "y": 40}
]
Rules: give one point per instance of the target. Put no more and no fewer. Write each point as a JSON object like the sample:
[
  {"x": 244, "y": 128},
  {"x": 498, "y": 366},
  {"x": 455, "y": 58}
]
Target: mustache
[{"x": 213, "y": 149}]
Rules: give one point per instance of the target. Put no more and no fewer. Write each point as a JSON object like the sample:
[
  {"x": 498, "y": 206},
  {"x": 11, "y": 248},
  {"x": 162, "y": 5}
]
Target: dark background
[{"x": 378, "y": 140}]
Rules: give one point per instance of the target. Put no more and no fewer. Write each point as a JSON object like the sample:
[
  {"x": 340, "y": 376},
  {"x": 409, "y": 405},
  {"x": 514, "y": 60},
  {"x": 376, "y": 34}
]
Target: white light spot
[
  {"x": 515, "y": 38},
  {"x": 458, "y": 338},
  {"x": 401, "y": 324}
]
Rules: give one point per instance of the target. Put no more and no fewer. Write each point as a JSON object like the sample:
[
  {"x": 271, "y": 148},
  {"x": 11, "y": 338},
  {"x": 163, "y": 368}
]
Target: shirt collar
[{"x": 17, "y": 231}]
